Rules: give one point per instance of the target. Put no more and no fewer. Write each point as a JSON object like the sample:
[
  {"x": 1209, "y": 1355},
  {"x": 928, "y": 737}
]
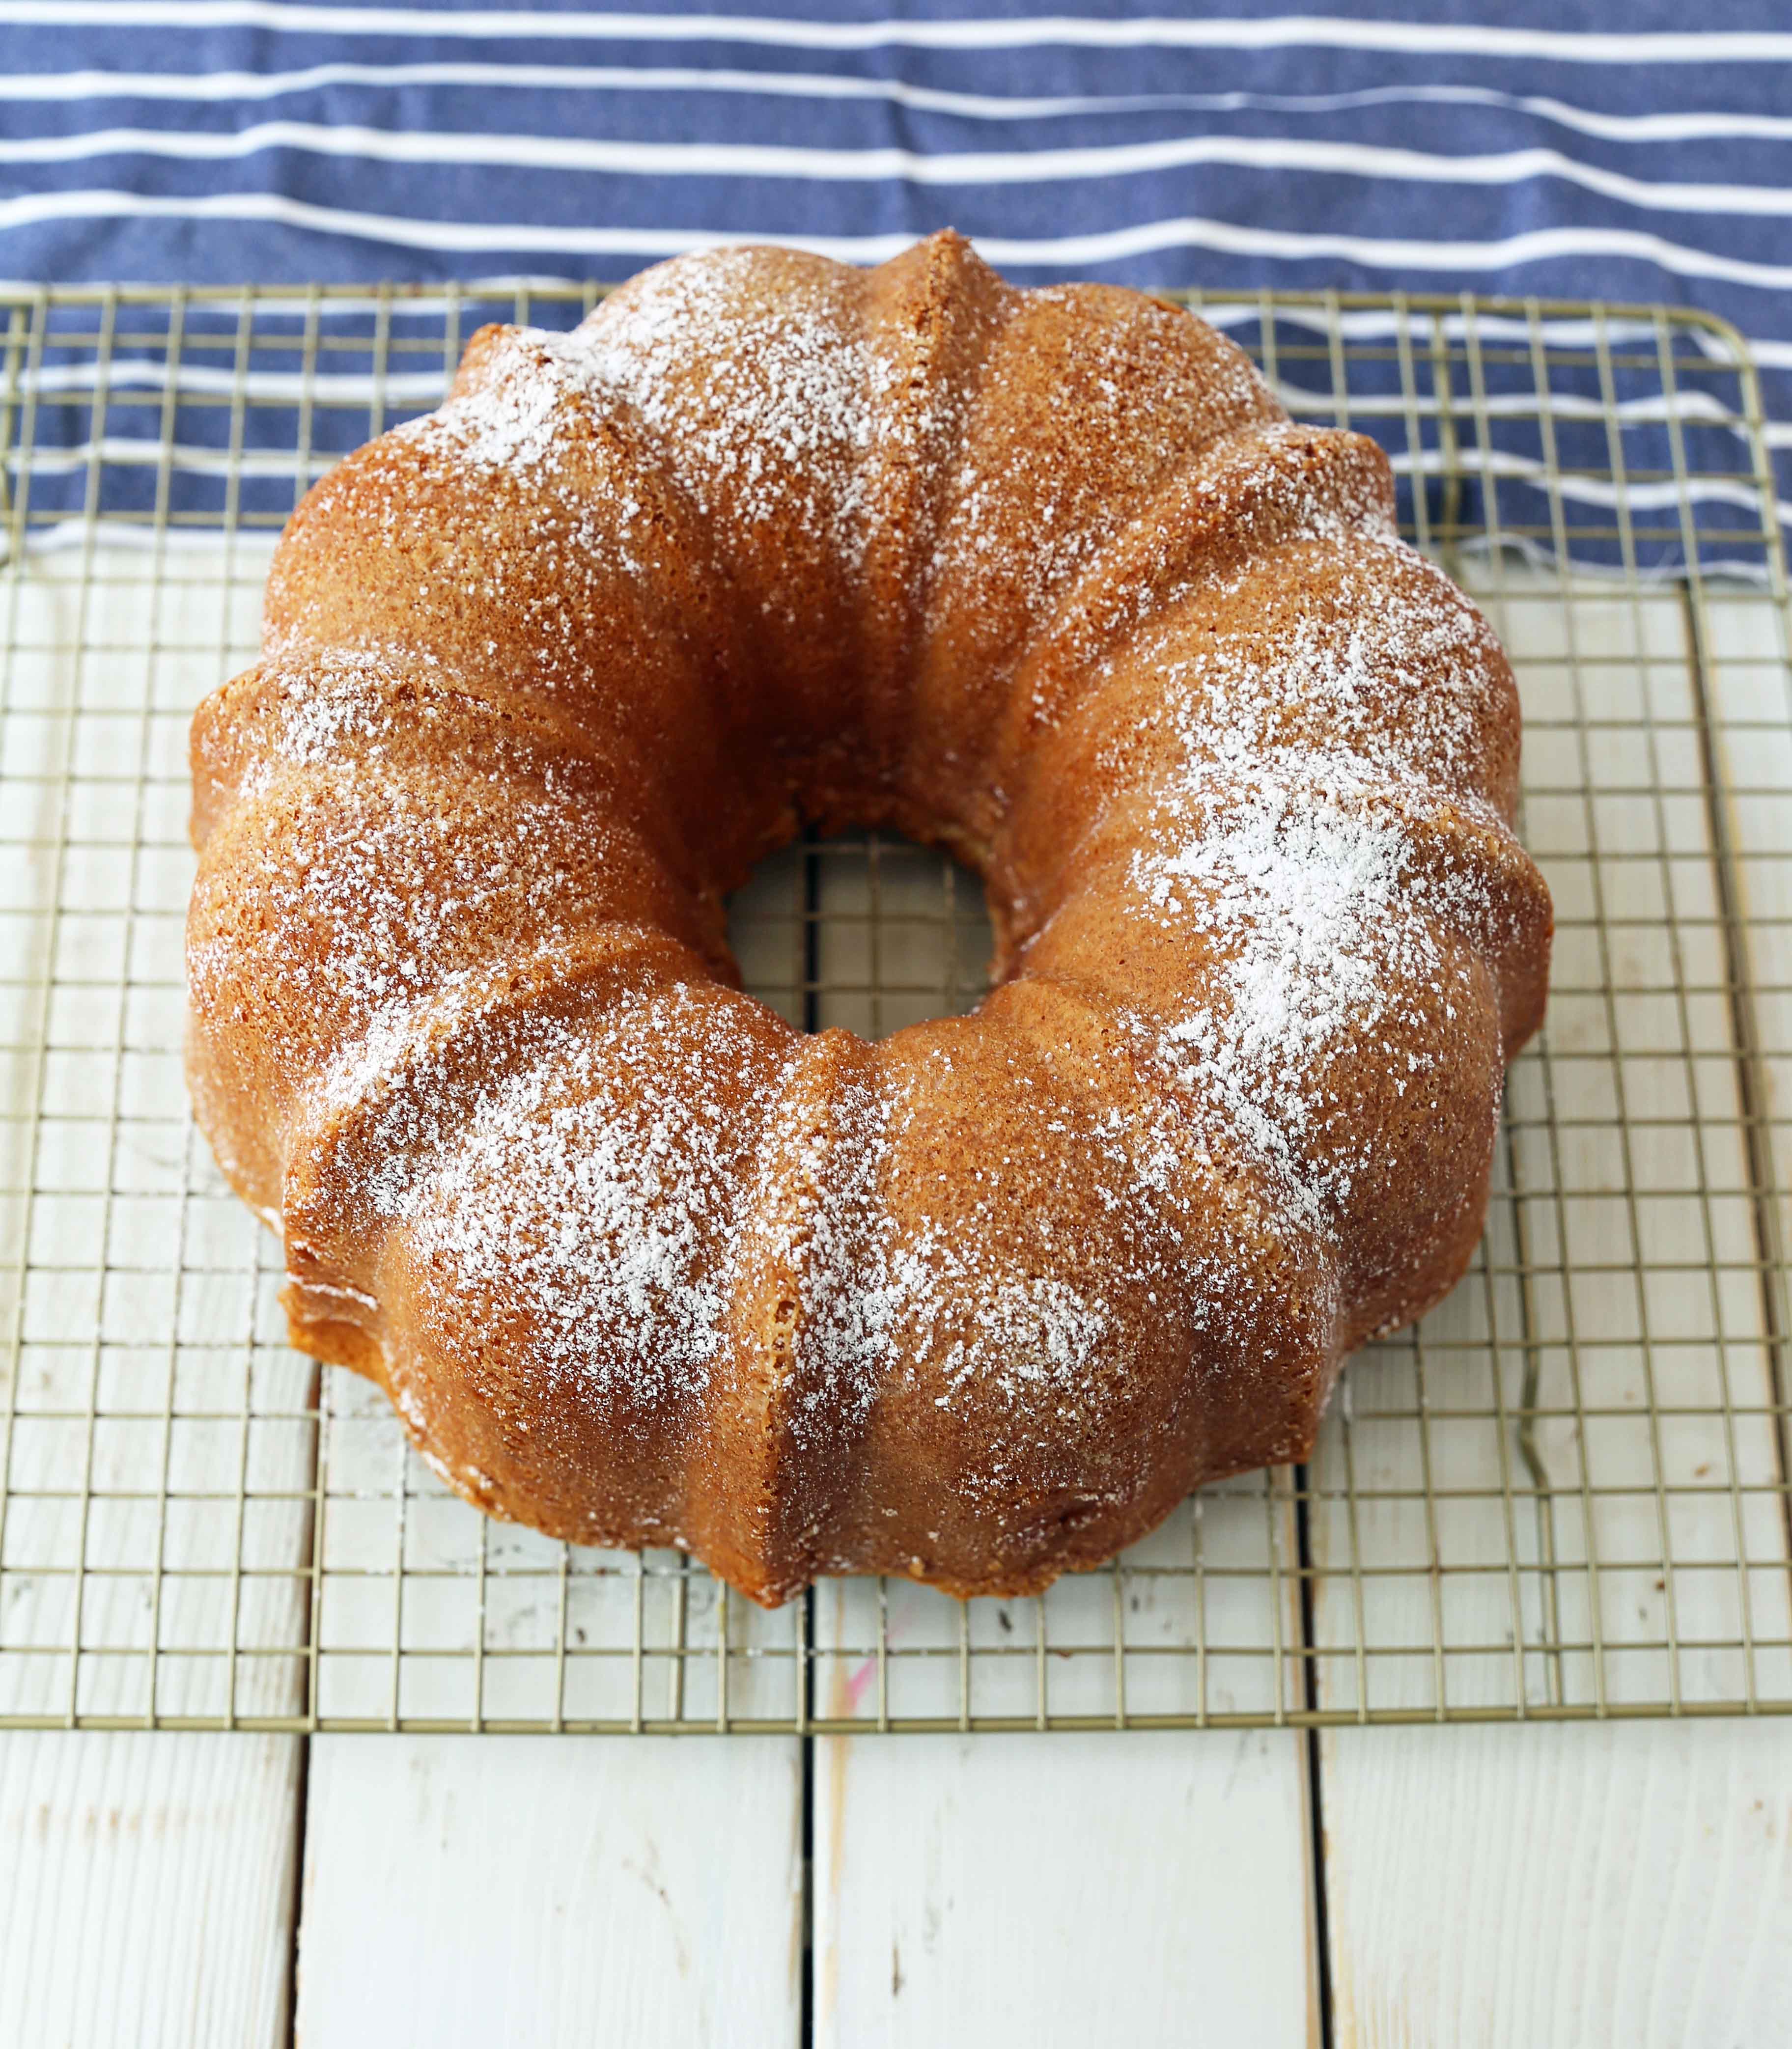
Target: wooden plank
[
  {"x": 1148, "y": 1888},
  {"x": 146, "y": 1886},
  {"x": 1565, "y": 1887},
  {"x": 1619, "y": 1884},
  {"x": 516, "y": 1889},
  {"x": 158, "y": 1455}
]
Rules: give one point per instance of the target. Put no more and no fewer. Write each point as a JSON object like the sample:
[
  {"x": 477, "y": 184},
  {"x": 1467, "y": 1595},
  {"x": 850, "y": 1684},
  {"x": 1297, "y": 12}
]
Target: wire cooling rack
[{"x": 1563, "y": 1495}]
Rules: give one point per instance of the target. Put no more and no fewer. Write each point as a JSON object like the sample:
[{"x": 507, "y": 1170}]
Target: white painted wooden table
[
  {"x": 1524, "y": 1888},
  {"x": 1520, "y": 1888}
]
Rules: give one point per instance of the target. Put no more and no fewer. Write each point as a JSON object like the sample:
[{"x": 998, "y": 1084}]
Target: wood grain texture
[
  {"x": 488, "y": 1889},
  {"x": 146, "y": 1887},
  {"x": 1561, "y": 1887},
  {"x": 1008, "y": 1890}
]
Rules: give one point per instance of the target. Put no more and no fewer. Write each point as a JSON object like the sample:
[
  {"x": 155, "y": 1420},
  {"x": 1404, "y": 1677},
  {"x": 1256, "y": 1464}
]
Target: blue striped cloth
[{"x": 1637, "y": 153}]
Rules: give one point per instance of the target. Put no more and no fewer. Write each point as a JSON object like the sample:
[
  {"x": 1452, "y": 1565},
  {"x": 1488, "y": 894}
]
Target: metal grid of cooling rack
[{"x": 1563, "y": 1495}]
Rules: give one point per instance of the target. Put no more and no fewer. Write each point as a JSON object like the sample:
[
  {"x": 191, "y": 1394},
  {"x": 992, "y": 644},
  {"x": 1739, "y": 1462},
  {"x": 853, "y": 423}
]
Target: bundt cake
[{"x": 1046, "y": 578}]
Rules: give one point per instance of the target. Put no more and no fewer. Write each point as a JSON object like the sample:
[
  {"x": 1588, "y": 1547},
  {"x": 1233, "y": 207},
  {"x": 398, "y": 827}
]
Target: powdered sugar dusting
[
  {"x": 774, "y": 426},
  {"x": 597, "y": 1190},
  {"x": 335, "y": 704},
  {"x": 1032, "y": 1331},
  {"x": 769, "y": 399},
  {"x": 1394, "y": 665},
  {"x": 1032, "y": 504},
  {"x": 1300, "y": 876},
  {"x": 514, "y": 416},
  {"x": 384, "y": 906},
  {"x": 833, "y": 1244}
]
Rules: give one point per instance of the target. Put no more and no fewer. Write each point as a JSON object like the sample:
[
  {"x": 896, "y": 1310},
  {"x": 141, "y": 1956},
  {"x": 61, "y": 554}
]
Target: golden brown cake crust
[{"x": 1046, "y": 578}]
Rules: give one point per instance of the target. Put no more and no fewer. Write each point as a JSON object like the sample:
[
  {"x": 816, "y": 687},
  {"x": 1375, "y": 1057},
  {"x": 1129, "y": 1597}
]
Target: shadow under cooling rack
[{"x": 1563, "y": 1494}]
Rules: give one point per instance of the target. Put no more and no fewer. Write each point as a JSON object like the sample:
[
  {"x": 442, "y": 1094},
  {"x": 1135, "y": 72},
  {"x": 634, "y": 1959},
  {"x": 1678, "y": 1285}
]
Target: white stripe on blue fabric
[
  {"x": 1060, "y": 251},
  {"x": 251, "y": 87},
  {"x": 637, "y": 159},
  {"x": 1617, "y": 46}
]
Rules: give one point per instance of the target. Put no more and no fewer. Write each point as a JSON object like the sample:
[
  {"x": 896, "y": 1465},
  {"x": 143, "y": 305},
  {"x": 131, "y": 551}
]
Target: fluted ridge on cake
[
  {"x": 1277, "y": 934},
  {"x": 1053, "y": 1315},
  {"x": 349, "y": 883},
  {"x": 1352, "y": 650},
  {"x": 1235, "y": 497},
  {"x": 780, "y": 1467},
  {"x": 548, "y": 564},
  {"x": 1057, "y": 457},
  {"x": 394, "y": 1100},
  {"x": 568, "y": 1259}
]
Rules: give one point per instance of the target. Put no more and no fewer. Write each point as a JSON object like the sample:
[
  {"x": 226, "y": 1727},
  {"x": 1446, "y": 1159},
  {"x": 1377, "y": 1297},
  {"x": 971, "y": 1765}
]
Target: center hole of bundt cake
[{"x": 869, "y": 931}]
